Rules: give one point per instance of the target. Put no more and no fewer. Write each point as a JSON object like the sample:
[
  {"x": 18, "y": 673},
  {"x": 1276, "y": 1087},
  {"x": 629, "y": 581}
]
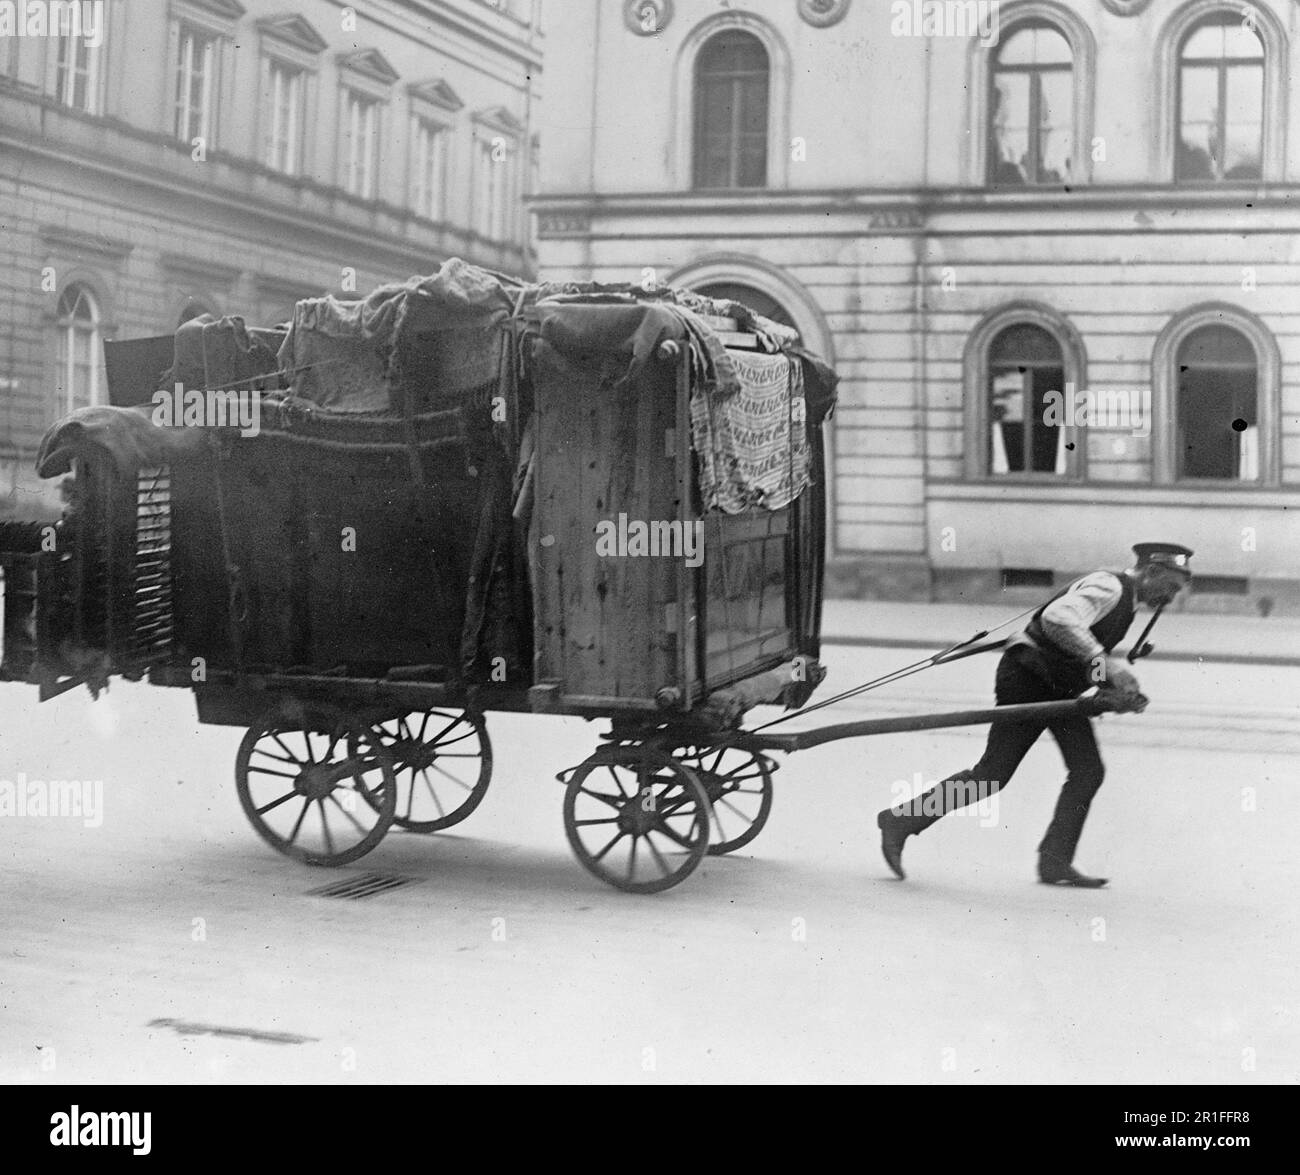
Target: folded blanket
[{"x": 753, "y": 443}]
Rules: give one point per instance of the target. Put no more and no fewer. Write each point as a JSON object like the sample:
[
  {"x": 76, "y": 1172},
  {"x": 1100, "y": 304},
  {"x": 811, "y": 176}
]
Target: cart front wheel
[
  {"x": 738, "y": 783},
  {"x": 318, "y": 787},
  {"x": 637, "y": 819},
  {"x": 443, "y": 764}
]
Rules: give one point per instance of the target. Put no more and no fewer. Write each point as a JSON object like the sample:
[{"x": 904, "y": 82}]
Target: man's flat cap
[{"x": 1167, "y": 554}]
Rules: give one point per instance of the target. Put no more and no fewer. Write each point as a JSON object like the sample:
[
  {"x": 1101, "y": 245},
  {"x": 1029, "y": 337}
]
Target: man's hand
[{"x": 1118, "y": 677}]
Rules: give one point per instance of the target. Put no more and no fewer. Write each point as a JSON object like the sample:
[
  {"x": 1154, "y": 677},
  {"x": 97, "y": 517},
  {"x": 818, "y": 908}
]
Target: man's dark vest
[
  {"x": 1064, "y": 668},
  {"x": 1109, "y": 630}
]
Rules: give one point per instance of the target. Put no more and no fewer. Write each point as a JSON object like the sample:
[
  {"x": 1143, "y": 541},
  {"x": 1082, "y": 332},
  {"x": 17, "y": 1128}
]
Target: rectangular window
[
  {"x": 495, "y": 163},
  {"x": 196, "y": 68},
  {"x": 430, "y": 169},
  {"x": 76, "y": 79},
  {"x": 285, "y": 103},
  {"x": 360, "y": 144}
]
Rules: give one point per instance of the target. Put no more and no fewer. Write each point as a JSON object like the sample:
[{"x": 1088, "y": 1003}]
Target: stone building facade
[
  {"x": 233, "y": 156},
  {"x": 1052, "y": 249}
]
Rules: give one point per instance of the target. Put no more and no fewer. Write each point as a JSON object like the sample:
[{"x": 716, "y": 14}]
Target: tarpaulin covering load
[
  {"x": 437, "y": 333},
  {"x": 127, "y": 435},
  {"x": 749, "y": 418},
  {"x": 222, "y": 353}
]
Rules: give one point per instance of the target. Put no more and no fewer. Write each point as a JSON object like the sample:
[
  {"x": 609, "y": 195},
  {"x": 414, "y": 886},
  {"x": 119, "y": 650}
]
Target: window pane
[
  {"x": 753, "y": 164},
  {"x": 1198, "y": 135},
  {"x": 1206, "y": 42},
  {"x": 1209, "y": 401},
  {"x": 1217, "y": 386},
  {"x": 1056, "y": 126},
  {"x": 731, "y": 112},
  {"x": 1216, "y": 346},
  {"x": 1047, "y": 454},
  {"x": 1244, "y": 148},
  {"x": 1215, "y": 41},
  {"x": 716, "y": 99},
  {"x": 1024, "y": 344},
  {"x": 1239, "y": 42},
  {"x": 1038, "y": 45},
  {"x": 732, "y": 52},
  {"x": 1025, "y": 364},
  {"x": 1010, "y": 125},
  {"x": 753, "y": 106}
]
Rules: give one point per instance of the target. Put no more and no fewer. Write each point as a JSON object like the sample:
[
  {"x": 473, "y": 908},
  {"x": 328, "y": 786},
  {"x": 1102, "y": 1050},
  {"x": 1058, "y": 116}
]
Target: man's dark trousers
[{"x": 1008, "y": 744}]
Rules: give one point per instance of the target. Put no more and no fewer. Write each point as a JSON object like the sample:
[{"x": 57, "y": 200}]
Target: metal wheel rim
[
  {"x": 352, "y": 813},
  {"x": 435, "y": 797},
  {"x": 740, "y": 792},
  {"x": 668, "y": 851}
]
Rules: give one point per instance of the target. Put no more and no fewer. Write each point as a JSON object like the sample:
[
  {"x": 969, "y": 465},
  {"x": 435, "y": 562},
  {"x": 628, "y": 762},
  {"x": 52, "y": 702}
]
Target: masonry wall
[
  {"x": 888, "y": 249},
  {"x": 114, "y": 202}
]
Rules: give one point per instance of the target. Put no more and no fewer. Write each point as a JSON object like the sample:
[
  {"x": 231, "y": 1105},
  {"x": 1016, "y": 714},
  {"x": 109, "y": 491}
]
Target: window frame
[
  {"x": 294, "y": 155},
  {"x": 211, "y": 99},
  {"x": 290, "y": 43},
  {"x": 360, "y": 169},
  {"x": 1034, "y": 73},
  {"x": 778, "y": 101},
  {"x": 65, "y": 348},
  {"x": 1268, "y": 396},
  {"x": 214, "y": 18},
  {"x": 1222, "y": 65},
  {"x": 976, "y": 371},
  {"x": 364, "y": 76},
  {"x": 1083, "y": 52},
  {"x": 489, "y": 125},
  {"x": 435, "y": 103},
  {"x": 427, "y": 190},
  {"x": 1167, "y": 78},
  {"x": 734, "y": 141},
  {"x": 97, "y": 75}
]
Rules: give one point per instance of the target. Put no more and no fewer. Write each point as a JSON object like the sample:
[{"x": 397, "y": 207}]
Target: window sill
[{"x": 1208, "y": 494}]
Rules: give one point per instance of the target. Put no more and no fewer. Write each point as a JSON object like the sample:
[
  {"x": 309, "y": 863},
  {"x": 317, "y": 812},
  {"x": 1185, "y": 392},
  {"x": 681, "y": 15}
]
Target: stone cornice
[
  {"x": 76, "y": 241},
  {"x": 910, "y": 208},
  {"x": 294, "y": 30},
  {"x": 481, "y": 28},
  {"x": 438, "y": 93},
  {"x": 397, "y": 249},
  {"x": 369, "y": 63}
]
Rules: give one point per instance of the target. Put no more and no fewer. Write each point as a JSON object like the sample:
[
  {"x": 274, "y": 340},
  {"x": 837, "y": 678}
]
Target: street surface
[{"x": 169, "y": 943}]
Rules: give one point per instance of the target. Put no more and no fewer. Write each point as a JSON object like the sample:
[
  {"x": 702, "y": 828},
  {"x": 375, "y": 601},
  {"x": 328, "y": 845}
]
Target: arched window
[
  {"x": 1220, "y": 101},
  {"x": 757, "y": 301},
  {"x": 1217, "y": 413},
  {"x": 79, "y": 349},
  {"x": 731, "y": 112},
  {"x": 1031, "y": 108},
  {"x": 1025, "y": 364}
]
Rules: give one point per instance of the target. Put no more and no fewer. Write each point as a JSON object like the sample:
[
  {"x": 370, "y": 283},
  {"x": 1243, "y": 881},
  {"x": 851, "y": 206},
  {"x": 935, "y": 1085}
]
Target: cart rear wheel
[
  {"x": 738, "y": 783},
  {"x": 286, "y": 767},
  {"x": 443, "y": 764},
  {"x": 637, "y": 819}
]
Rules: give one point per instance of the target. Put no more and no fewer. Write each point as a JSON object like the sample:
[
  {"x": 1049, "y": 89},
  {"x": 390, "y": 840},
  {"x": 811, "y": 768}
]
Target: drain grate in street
[{"x": 366, "y": 885}]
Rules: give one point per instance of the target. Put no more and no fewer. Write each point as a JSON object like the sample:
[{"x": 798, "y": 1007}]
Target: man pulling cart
[{"x": 1064, "y": 650}]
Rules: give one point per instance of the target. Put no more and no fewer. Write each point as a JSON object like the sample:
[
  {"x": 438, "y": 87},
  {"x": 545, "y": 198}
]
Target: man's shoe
[
  {"x": 893, "y": 833},
  {"x": 1054, "y": 871}
]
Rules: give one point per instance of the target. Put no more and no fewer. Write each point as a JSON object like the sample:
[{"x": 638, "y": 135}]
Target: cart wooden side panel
[{"x": 611, "y": 631}]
